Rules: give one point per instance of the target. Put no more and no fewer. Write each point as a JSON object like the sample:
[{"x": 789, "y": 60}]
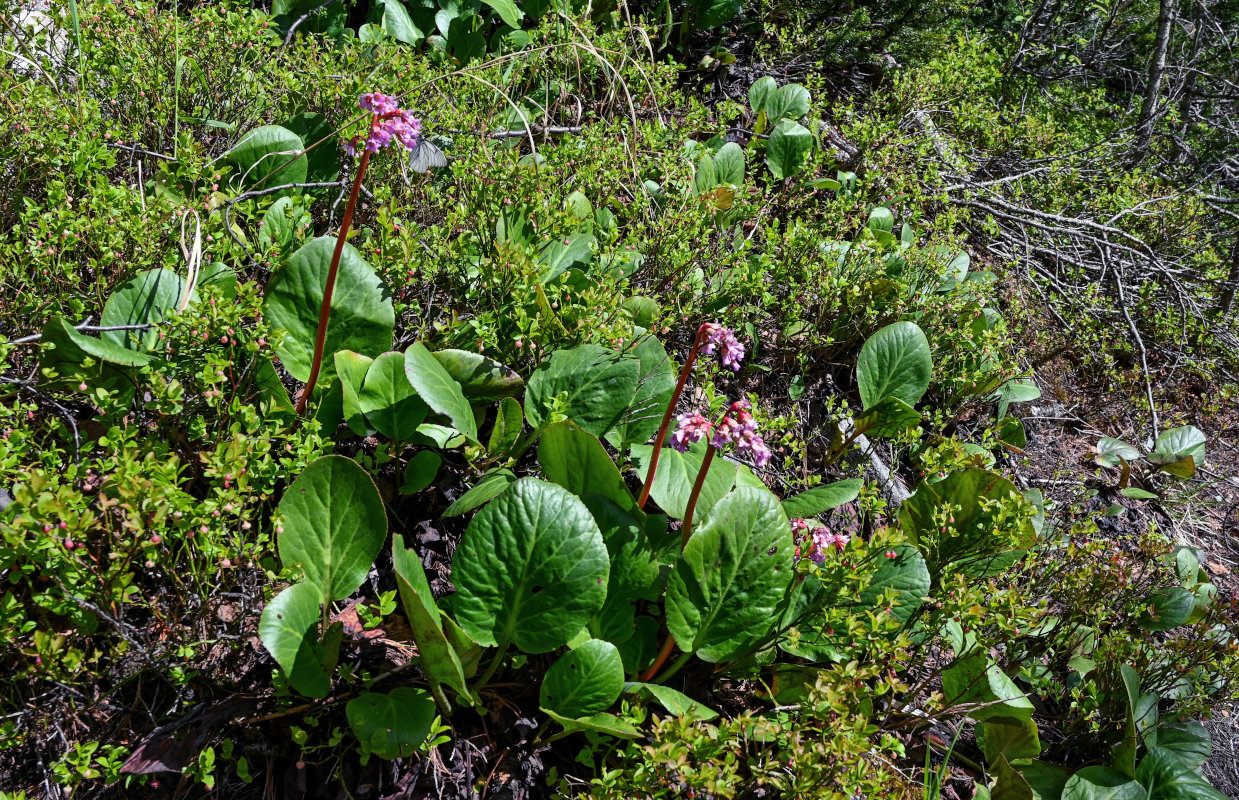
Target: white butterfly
[{"x": 426, "y": 154}]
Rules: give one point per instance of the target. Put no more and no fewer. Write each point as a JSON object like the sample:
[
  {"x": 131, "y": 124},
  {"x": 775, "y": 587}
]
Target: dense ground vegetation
[{"x": 709, "y": 399}]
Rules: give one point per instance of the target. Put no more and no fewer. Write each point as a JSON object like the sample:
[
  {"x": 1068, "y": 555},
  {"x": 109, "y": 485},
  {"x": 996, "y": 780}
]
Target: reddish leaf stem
[
  {"x": 662, "y": 429},
  {"x": 686, "y": 532},
  {"x": 324, "y": 311}
]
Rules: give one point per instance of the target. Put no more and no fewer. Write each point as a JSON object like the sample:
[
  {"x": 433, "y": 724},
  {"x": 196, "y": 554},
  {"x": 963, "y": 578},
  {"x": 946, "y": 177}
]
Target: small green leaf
[
  {"x": 583, "y": 681},
  {"x": 507, "y": 429},
  {"x": 351, "y": 369},
  {"x": 391, "y": 725},
  {"x": 790, "y": 102},
  {"x": 729, "y": 164},
  {"x": 507, "y": 11},
  {"x": 760, "y": 91},
  {"x": 421, "y": 471},
  {"x": 789, "y": 149},
  {"x": 881, "y": 219},
  {"x": 438, "y": 389},
  {"x": 678, "y": 703},
  {"x": 490, "y": 486},
  {"x": 1180, "y": 442},
  {"x": 560, "y": 255},
  {"x": 288, "y": 629},
  {"x": 821, "y": 499},
  {"x": 894, "y": 362},
  {"x": 604, "y": 723},
  {"x": 334, "y": 525},
  {"x": 531, "y": 569},
  {"x": 438, "y": 659},
  {"x": 388, "y": 400},
  {"x": 1015, "y": 392}
]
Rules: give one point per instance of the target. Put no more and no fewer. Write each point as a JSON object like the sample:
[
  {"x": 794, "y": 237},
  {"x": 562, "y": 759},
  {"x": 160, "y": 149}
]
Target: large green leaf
[
  {"x": 267, "y": 157},
  {"x": 789, "y": 148},
  {"x": 1168, "y": 608},
  {"x": 577, "y": 461},
  {"x": 391, "y": 725},
  {"x": 1177, "y": 443},
  {"x": 597, "y": 385},
  {"x": 976, "y": 679},
  {"x": 969, "y": 537},
  {"x": 790, "y": 102},
  {"x": 507, "y": 11},
  {"x": 65, "y": 350},
  {"x": 1102, "y": 783},
  {"x": 822, "y": 498},
  {"x": 583, "y": 681},
  {"x": 439, "y": 389},
  {"x": 146, "y": 298},
  {"x": 323, "y": 165},
  {"x": 1188, "y": 740},
  {"x": 1011, "y": 737},
  {"x": 334, "y": 525},
  {"x": 760, "y": 92},
  {"x": 351, "y": 369},
  {"x": 362, "y": 316},
  {"x": 729, "y": 164},
  {"x": 288, "y": 629},
  {"x": 905, "y": 574},
  {"x": 634, "y": 566},
  {"x": 438, "y": 659},
  {"x": 894, "y": 362},
  {"x": 676, "y": 473},
  {"x": 389, "y": 401},
  {"x": 655, "y": 384},
  {"x": 560, "y": 255},
  {"x": 713, "y": 13},
  {"x": 531, "y": 569},
  {"x": 725, "y": 592},
  {"x": 399, "y": 24},
  {"x": 481, "y": 379},
  {"x": 1169, "y": 777}
]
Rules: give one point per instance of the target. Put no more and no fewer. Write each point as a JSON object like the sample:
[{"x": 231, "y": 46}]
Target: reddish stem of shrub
[
  {"x": 662, "y": 429},
  {"x": 686, "y": 532},
  {"x": 324, "y": 311}
]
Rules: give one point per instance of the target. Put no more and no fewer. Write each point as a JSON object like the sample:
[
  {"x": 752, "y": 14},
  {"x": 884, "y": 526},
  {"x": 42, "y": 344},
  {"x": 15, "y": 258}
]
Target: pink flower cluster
[
  {"x": 717, "y": 336},
  {"x": 737, "y": 427},
  {"x": 816, "y": 540},
  {"x": 689, "y": 428},
  {"x": 389, "y": 122}
]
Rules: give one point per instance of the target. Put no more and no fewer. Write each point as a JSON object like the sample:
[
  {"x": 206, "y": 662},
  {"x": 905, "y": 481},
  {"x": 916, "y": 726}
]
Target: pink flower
[
  {"x": 389, "y": 122},
  {"x": 690, "y": 428},
  {"x": 718, "y": 336}
]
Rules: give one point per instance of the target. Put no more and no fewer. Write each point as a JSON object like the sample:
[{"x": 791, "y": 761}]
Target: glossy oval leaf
[
  {"x": 439, "y": 659},
  {"x": 597, "y": 384},
  {"x": 489, "y": 486},
  {"x": 323, "y": 162},
  {"x": 583, "y": 681},
  {"x": 288, "y": 629},
  {"x": 531, "y": 569},
  {"x": 481, "y": 379},
  {"x": 438, "y": 389},
  {"x": 351, "y": 369},
  {"x": 760, "y": 91},
  {"x": 391, "y": 725},
  {"x": 678, "y": 703},
  {"x": 1169, "y": 777},
  {"x": 729, "y": 164},
  {"x": 789, "y": 149},
  {"x": 725, "y": 592},
  {"x": 421, "y": 471},
  {"x": 604, "y": 723},
  {"x": 388, "y": 399},
  {"x": 362, "y": 315},
  {"x": 334, "y": 525},
  {"x": 976, "y": 679},
  {"x": 1102, "y": 783},
  {"x": 676, "y": 474},
  {"x": 149, "y": 297},
  {"x": 655, "y": 384},
  {"x": 1181, "y": 442},
  {"x": 267, "y": 157},
  {"x": 907, "y": 576},
  {"x": 789, "y": 102},
  {"x": 577, "y": 461},
  {"x": 894, "y": 362},
  {"x": 821, "y": 499},
  {"x": 1167, "y": 608}
]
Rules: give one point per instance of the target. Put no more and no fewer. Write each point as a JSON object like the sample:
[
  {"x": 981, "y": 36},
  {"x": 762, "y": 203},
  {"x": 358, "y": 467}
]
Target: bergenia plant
[
  {"x": 388, "y": 122},
  {"x": 710, "y": 338}
]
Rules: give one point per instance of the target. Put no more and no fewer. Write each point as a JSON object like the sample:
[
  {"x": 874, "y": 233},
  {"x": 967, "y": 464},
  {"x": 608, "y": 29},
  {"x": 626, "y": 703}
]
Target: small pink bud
[
  {"x": 63, "y": 525},
  {"x": 69, "y": 544},
  {"x": 81, "y": 387},
  {"x": 279, "y": 529},
  {"x": 156, "y": 539}
]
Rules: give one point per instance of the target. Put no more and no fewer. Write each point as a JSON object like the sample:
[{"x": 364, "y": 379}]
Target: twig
[{"x": 34, "y": 337}]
